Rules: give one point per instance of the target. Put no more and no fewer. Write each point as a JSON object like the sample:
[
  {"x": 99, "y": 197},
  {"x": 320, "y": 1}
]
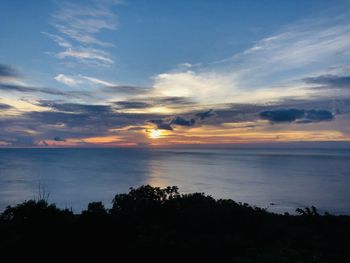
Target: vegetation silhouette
[{"x": 152, "y": 224}]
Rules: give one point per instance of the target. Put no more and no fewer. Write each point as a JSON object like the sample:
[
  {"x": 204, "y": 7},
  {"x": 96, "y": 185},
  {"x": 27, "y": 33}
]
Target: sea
[{"x": 279, "y": 180}]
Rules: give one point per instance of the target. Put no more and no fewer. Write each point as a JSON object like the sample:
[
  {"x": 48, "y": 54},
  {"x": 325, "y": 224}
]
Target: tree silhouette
[{"x": 160, "y": 224}]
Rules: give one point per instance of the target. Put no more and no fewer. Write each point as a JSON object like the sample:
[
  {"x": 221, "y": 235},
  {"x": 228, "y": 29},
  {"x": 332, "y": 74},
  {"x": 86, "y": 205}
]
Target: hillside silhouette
[{"x": 152, "y": 224}]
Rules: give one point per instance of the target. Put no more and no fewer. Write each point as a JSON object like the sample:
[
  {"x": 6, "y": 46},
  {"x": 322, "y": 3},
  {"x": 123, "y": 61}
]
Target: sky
[{"x": 137, "y": 73}]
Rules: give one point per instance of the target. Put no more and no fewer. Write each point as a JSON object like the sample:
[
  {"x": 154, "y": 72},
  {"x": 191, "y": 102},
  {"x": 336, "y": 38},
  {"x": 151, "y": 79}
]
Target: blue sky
[
  {"x": 152, "y": 37},
  {"x": 151, "y": 68}
]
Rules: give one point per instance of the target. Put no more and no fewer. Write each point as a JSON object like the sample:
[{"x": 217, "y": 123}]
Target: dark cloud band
[
  {"x": 7, "y": 71},
  {"x": 296, "y": 115},
  {"x": 330, "y": 81}
]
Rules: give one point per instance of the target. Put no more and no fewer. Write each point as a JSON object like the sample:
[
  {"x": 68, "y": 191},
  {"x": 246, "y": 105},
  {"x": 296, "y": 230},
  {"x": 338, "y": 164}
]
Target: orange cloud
[{"x": 102, "y": 139}]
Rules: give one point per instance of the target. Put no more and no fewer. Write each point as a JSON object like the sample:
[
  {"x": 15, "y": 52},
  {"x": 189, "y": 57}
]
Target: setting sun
[{"x": 155, "y": 134}]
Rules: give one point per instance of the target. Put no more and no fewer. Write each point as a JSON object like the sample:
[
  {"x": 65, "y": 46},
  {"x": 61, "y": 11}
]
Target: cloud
[
  {"x": 67, "y": 80},
  {"x": 172, "y": 100},
  {"x": 167, "y": 124},
  {"x": 65, "y": 120},
  {"x": 125, "y": 89},
  {"x": 300, "y": 46},
  {"x": 78, "y": 27},
  {"x": 299, "y": 50},
  {"x": 329, "y": 81},
  {"x": 87, "y": 55},
  {"x": 72, "y": 123},
  {"x": 190, "y": 120},
  {"x": 318, "y": 115},
  {"x": 292, "y": 115},
  {"x": 77, "y": 108},
  {"x": 11, "y": 81},
  {"x": 8, "y": 71},
  {"x": 205, "y": 114},
  {"x": 161, "y": 124},
  {"x": 21, "y": 140},
  {"x": 98, "y": 81},
  {"x": 200, "y": 87},
  {"x": 182, "y": 122},
  {"x": 86, "y": 118},
  {"x": 82, "y": 23},
  {"x": 282, "y": 115},
  {"x": 29, "y": 89},
  {"x": 82, "y": 80},
  {"x": 149, "y": 102},
  {"x": 59, "y": 139},
  {"x": 132, "y": 104},
  {"x": 5, "y": 106},
  {"x": 59, "y": 40}
]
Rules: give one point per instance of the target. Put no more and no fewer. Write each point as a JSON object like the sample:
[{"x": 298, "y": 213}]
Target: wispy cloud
[
  {"x": 82, "y": 23},
  {"x": 257, "y": 75},
  {"x": 80, "y": 53},
  {"x": 67, "y": 80},
  {"x": 58, "y": 39},
  {"x": 12, "y": 81},
  {"x": 78, "y": 31},
  {"x": 87, "y": 55},
  {"x": 81, "y": 80},
  {"x": 98, "y": 81},
  {"x": 300, "y": 50}
]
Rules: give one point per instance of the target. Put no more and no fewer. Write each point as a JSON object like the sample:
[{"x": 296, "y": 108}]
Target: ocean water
[{"x": 277, "y": 179}]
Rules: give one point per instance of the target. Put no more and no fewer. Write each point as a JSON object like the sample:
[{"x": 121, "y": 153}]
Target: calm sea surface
[{"x": 288, "y": 178}]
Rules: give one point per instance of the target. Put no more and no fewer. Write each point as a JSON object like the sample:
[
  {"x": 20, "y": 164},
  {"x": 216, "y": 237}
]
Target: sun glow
[{"x": 155, "y": 134}]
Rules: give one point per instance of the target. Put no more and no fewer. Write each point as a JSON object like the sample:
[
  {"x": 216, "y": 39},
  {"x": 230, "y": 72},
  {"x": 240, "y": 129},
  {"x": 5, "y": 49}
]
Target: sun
[{"x": 155, "y": 134}]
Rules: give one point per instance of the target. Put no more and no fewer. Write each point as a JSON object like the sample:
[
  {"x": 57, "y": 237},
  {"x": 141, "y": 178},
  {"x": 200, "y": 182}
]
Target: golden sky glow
[
  {"x": 102, "y": 139},
  {"x": 226, "y": 134}
]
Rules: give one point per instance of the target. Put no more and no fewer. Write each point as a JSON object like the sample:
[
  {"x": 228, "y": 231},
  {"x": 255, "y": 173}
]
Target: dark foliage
[{"x": 150, "y": 224}]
